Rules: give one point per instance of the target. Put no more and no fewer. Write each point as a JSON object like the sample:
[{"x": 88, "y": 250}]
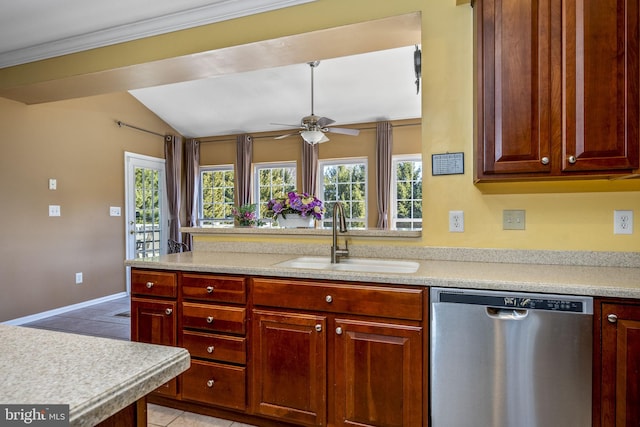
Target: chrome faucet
[{"x": 336, "y": 252}]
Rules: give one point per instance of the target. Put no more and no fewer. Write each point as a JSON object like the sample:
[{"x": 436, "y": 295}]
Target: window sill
[{"x": 274, "y": 231}]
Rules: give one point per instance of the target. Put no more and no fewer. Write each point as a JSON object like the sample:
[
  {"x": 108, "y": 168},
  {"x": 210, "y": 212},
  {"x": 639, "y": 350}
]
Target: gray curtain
[
  {"x": 173, "y": 172},
  {"x": 244, "y": 158},
  {"x": 309, "y": 167},
  {"x": 384, "y": 149},
  {"x": 192, "y": 169}
]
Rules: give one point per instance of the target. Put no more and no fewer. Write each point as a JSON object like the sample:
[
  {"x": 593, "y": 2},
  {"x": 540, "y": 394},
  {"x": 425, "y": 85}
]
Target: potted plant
[
  {"x": 245, "y": 215},
  {"x": 295, "y": 210}
]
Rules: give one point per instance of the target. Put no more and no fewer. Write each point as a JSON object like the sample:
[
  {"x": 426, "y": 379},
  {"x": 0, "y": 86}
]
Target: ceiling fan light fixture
[{"x": 312, "y": 136}]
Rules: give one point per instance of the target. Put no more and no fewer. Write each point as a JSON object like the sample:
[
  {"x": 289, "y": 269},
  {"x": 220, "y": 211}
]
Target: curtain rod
[
  {"x": 266, "y": 137},
  {"x": 123, "y": 124}
]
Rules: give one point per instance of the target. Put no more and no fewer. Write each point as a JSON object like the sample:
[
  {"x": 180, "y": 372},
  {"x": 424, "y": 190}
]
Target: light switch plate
[
  {"x": 114, "y": 211},
  {"x": 513, "y": 219},
  {"x": 53, "y": 183},
  {"x": 54, "y": 210}
]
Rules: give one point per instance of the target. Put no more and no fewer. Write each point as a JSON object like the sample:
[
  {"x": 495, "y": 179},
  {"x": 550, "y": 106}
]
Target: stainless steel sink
[{"x": 367, "y": 265}]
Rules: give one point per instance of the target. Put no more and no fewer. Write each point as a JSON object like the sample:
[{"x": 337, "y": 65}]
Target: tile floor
[{"x": 112, "y": 319}]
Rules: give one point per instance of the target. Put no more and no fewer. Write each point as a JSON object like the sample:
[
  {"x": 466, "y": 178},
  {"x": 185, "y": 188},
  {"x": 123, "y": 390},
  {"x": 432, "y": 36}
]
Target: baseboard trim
[{"x": 62, "y": 310}]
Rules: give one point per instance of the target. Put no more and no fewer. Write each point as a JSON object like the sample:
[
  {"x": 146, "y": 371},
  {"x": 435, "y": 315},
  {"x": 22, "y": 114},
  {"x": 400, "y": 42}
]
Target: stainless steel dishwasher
[{"x": 506, "y": 359}]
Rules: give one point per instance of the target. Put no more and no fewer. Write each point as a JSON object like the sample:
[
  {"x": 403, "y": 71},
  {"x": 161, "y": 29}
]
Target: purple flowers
[
  {"x": 296, "y": 203},
  {"x": 245, "y": 215}
]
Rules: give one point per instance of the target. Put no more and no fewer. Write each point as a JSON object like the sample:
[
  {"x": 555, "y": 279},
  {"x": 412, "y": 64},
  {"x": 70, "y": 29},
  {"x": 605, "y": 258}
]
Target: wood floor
[{"x": 112, "y": 320}]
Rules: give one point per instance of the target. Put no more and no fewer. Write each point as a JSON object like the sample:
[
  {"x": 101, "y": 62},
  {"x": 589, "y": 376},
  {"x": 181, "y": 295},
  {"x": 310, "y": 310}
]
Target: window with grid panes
[
  {"x": 216, "y": 195},
  {"x": 273, "y": 180},
  {"x": 344, "y": 180},
  {"x": 406, "y": 201}
]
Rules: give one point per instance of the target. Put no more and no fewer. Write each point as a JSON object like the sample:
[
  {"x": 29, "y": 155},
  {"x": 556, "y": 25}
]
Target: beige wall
[{"x": 77, "y": 143}]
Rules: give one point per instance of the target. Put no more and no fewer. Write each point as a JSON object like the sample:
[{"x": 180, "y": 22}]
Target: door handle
[{"x": 507, "y": 313}]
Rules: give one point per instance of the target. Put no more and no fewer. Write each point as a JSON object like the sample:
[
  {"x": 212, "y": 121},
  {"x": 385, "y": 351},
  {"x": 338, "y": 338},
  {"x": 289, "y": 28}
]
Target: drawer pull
[
  {"x": 168, "y": 311},
  {"x": 318, "y": 328},
  {"x": 612, "y": 318},
  {"x": 210, "y": 319},
  {"x": 209, "y": 289},
  {"x": 339, "y": 330},
  {"x": 149, "y": 285},
  {"x": 328, "y": 299},
  {"x": 210, "y": 349},
  {"x": 544, "y": 160},
  {"x": 210, "y": 383}
]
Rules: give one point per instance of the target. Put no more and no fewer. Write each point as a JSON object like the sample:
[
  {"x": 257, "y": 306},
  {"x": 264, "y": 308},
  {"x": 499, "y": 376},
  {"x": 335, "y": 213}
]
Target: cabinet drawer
[
  {"x": 215, "y": 347},
  {"x": 379, "y": 301},
  {"x": 214, "y": 318},
  {"x": 214, "y": 288},
  {"x": 154, "y": 283},
  {"x": 215, "y": 384}
]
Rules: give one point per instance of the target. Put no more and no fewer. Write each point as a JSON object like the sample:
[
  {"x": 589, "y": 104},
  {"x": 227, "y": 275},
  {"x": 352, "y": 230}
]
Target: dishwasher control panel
[{"x": 520, "y": 301}]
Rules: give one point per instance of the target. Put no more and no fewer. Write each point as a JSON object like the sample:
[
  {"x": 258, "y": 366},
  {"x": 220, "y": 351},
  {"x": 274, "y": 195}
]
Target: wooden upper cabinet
[
  {"x": 514, "y": 72},
  {"x": 557, "y": 88},
  {"x": 600, "y": 48}
]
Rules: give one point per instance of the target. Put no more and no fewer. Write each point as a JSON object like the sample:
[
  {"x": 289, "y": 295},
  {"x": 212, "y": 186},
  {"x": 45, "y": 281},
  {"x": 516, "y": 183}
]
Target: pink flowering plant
[
  {"x": 296, "y": 203},
  {"x": 245, "y": 215}
]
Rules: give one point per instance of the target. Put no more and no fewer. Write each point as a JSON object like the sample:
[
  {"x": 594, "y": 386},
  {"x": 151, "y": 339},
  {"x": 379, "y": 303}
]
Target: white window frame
[
  {"x": 215, "y": 222},
  {"x": 257, "y": 167},
  {"x": 344, "y": 161},
  {"x": 394, "y": 188}
]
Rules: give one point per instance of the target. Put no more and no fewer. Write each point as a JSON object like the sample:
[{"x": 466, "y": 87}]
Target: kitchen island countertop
[
  {"x": 96, "y": 377},
  {"x": 622, "y": 282}
]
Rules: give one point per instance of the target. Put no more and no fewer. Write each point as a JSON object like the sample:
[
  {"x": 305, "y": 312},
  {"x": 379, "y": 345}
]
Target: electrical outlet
[
  {"x": 622, "y": 222},
  {"x": 78, "y": 278},
  {"x": 513, "y": 219},
  {"x": 456, "y": 221},
  {"x": 54, "y": 210}
]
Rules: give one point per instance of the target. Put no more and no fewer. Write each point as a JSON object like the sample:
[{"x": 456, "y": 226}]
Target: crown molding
[{"x": 217, "y": 12}]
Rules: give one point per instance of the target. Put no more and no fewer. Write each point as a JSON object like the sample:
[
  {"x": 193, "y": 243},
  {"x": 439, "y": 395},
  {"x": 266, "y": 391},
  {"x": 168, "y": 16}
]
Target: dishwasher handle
[{"x": 507, "y": 313}]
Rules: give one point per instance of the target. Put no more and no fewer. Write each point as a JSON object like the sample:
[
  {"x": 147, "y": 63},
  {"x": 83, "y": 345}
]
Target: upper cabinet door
[
  {"x": 600, "y": 68},
  {"x": 514, "y": 86}
]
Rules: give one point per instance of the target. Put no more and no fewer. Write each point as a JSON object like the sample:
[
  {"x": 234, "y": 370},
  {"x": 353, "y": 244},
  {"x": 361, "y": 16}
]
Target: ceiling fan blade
[
  {"x": 285, "y": 136},
  {"x": 287, "y": 125},
  {"x": 344, "y": 131},
  {"x": 324, "y": 121}
]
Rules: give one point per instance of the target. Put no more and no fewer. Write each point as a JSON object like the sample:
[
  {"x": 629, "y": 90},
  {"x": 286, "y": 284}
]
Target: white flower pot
[{"x": 295, "y": 221}]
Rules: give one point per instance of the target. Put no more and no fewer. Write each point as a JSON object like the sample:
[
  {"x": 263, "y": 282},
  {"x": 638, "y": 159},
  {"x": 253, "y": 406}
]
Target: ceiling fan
[{"x": 313, "y": 128}]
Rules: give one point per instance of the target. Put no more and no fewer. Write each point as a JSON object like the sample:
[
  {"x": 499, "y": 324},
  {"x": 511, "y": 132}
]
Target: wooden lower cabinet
[
  {"x": 290, "y": 367},
  {"x": 617, "y": 361},
  {"x": 378, "y": 380},
  {"x": 154, "y": 322},
  {"x": 337, "y": 369}
]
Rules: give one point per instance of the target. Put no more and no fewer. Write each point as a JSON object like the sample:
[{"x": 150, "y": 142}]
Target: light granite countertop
[
  {"x": 96, "y": 377},
  {"x": 598, "y": 280}
]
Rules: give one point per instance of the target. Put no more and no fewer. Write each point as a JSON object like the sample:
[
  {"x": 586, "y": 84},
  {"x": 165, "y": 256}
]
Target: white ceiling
[{"x": 350, "y": 90}]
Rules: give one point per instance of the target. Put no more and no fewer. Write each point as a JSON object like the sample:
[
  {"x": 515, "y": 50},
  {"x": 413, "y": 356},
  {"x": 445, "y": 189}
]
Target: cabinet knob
[
  {"x": 328, "y": 298},
  {"x": 168, "y": 311},
  {"x": 149, "y": 285},
  {"x": 210, "y": 319},
  {"x": 210, "y": 349},
  {"x": 544, "y": 160},
  {"x": 572, "y": 159},
  {"x": 338, "y": 330},
  {"x": 612, "y": 318},
  {"x": 318, "y": 328},
  {"x": 209, "y": 289},
  {"x": 210, "y": 383}
]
